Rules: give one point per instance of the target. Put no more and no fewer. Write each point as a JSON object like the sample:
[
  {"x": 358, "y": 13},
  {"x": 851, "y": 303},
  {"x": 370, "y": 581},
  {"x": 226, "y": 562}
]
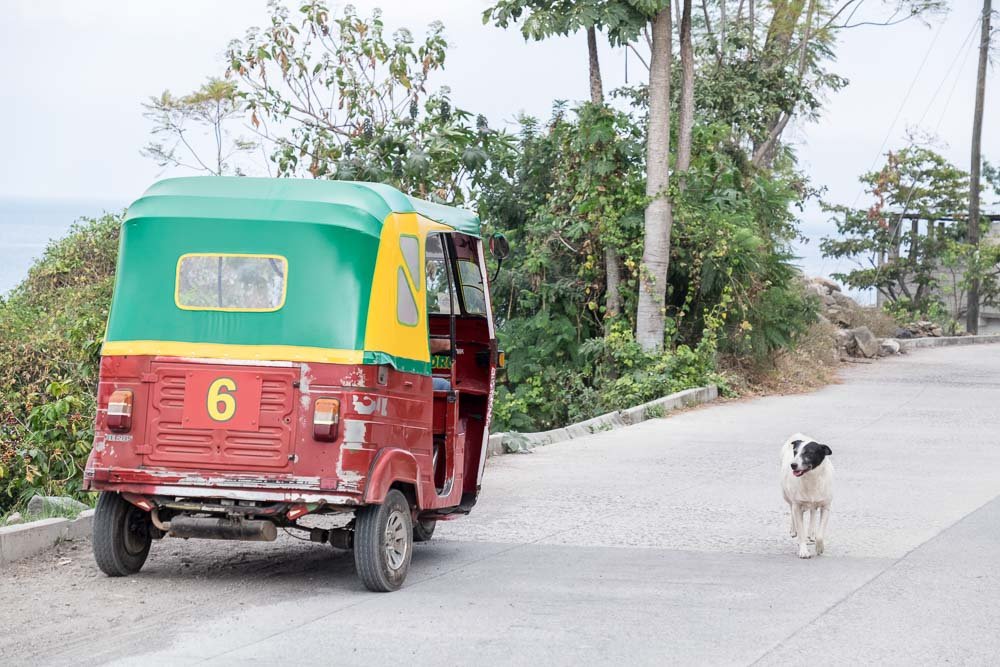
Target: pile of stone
[
  {"x": 838, "y": 308},
  {"x": 921, "y": 329},
  {"x": 854, "y": 340}
]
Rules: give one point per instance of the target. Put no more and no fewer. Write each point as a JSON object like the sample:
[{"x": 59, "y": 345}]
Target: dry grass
[
  {"x": 811, "y": 364},
  {"x": 877, "y": 321}
]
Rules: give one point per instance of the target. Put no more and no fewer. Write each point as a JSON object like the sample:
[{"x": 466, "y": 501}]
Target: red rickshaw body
[{"x": 269, "y": 386}]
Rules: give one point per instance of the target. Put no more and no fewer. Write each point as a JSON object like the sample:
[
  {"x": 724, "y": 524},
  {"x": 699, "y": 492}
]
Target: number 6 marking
[{"x": 221, "y": 404}]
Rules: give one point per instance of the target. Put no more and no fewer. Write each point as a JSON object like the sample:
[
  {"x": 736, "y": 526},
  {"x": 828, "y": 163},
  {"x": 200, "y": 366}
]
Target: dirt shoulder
[{"x": 61, "y": 597}]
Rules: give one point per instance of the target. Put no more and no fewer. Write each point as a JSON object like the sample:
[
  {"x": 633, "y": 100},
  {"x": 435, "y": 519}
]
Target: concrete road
[{"x": 664, "y": 543}]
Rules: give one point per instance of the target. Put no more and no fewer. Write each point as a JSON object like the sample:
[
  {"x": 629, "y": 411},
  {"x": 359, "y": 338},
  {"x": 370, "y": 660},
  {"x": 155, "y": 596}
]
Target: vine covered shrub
[{"x": 51, "y": 327}]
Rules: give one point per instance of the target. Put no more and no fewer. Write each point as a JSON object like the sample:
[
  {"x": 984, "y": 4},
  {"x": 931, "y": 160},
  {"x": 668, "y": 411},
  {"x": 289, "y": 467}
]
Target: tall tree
[
  {"x": 651, "y": 315},
  {"x": 972, "y": 321},
  {"x": 596, "y": 84},
  {"x": 785, "y": 48},
  {"x": 685, "y": 120},
  {"x": 195, "y": 131},
  {"x": 544, "y": 18},
  {"x": 612, "y": 263},
  {"x": 336, "y": 96}
]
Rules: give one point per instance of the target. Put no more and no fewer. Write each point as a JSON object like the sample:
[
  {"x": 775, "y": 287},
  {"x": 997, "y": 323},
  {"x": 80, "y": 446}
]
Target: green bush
[
  {"x": 549, "y": 387},
  {"x": 51, "y": 327}
]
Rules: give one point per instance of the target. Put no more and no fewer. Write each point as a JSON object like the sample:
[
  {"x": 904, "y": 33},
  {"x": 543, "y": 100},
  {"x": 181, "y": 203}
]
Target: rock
[
  {"x": 844, "y": 301},
  {"x": 889, "y": 347},
  {"x": 40, "y": 505},
  {"x": 865, "y": 342},
  {"x": 827, "y": 283},
  {"x": 13, "y": 519},
  {"x": 905, "y": 334},
  {"x": 839, "y": 316},
  {"x": 923, "y": 329},
  {"x": 845, "y": 344},
  {"x": 818, "y": 290}
]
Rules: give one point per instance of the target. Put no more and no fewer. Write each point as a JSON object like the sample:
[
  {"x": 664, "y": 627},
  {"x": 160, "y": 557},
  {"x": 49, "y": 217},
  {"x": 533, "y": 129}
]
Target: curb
[
  {"x": 509, "y": 443},
  {"x": 28, "y": 539},
  {"x": 945, "y": 341}
]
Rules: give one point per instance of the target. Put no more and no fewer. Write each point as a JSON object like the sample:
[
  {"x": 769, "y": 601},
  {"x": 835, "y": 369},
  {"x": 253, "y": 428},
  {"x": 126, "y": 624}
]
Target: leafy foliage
[
  {"x": 578, "y": 185},
  {"x": 621, "y": 19},
  {"x": 893, "y": 257},
  {"x": 339, "y": 98},
  {"x": 51, "y": 327}
]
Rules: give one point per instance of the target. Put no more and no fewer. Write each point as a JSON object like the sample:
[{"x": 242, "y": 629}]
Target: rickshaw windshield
[
  {"x": 438, "y": 285},
  {"x": 467, "y": 279},
  {"x": 472, "y": 287}
]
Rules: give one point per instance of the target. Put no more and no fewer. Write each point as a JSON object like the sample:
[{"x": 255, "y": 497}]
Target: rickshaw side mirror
[{"x": 499, "y": 246}]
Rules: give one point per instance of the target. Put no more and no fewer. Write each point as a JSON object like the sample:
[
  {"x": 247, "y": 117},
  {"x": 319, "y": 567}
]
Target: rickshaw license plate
[{"x": 222, "y": 399}]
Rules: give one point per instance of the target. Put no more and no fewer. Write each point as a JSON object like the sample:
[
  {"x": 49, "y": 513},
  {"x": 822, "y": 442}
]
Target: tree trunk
[
  {"x": 763, "y": 154},
  {"x": 612, "y": 294},
  {"x": 596, "y": 85},
  {"x": 650, "y": 316},
  {"x": 722, "y": 29},
  {"x": 972, "y": 315},
  {"x": 612, "y": 272},
  {"x": 685, "y": 118}
]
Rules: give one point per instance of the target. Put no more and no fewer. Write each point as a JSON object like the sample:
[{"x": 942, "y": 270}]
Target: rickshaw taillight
[
  {"x": 326, "y": 419},
  {"x": 120, "y": 411}
]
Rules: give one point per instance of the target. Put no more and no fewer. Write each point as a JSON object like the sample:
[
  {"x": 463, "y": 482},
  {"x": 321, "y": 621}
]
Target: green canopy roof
[{"x": 292, "y": 199}]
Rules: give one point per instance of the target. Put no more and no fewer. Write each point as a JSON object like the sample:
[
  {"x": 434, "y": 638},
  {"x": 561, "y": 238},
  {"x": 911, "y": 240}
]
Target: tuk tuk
[{"x": 268, "y": 360}]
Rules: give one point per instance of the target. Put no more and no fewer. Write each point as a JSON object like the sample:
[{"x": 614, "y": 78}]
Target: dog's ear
[{"x": 827, "y": 451}]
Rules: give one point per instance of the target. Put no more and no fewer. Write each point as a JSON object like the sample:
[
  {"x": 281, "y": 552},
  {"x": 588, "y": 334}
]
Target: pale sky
[{"x": 75, "y": 73}]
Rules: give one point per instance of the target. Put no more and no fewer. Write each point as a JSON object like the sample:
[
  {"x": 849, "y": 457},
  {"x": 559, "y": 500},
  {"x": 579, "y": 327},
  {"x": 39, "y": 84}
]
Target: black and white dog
[{"x": 807, "y": 484}]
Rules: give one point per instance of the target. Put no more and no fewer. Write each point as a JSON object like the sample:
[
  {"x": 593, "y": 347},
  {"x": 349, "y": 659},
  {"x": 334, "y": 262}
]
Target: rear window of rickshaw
[{"x": 231, "y": 282}]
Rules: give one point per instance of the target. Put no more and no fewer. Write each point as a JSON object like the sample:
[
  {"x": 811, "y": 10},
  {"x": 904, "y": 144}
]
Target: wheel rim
[
  {"x": 395, "y": 542},
  {"x": 135, "y": 531}
]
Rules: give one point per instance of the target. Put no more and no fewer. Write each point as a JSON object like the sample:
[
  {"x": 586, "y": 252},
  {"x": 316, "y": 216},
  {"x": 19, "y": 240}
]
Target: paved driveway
[{"x": 663, "y": 543}]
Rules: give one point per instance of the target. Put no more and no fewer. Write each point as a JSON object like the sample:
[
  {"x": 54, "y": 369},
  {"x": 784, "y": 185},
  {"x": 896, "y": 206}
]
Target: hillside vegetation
[{"x": 51, "y": 327}]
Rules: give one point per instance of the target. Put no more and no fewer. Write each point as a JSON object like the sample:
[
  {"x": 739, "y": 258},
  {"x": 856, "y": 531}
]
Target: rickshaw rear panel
[{"x": 280, "y": 454}]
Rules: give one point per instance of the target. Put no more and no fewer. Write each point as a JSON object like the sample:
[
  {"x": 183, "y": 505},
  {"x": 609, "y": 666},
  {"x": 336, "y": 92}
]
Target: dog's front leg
[
  {"x": 799, "y": 520},
  {"x": 813, "y": 520},
  {"x": 791, "y": 511},
  {"x": 824, "y": 516}
]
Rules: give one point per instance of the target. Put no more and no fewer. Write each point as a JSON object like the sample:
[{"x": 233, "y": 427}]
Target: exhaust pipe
[{"x": 211, "y": 528}]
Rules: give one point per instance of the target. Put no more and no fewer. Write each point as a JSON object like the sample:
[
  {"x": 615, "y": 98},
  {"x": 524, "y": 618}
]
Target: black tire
[
  {"x": 383, "y": 543},
  {"x": 122, "y": 535},
  {"x": 423, "y": 531}
]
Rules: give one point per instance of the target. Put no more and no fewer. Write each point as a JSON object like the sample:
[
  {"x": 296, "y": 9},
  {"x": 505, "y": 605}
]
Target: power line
[
  {"x": 964, "y": 47},
  {"x": 961, "y": 50},
  {"x": 902, "y": 105}
]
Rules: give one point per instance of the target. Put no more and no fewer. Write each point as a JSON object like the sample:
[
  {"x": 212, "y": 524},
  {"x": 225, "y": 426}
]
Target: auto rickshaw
[{"x": 268, "y": 359}]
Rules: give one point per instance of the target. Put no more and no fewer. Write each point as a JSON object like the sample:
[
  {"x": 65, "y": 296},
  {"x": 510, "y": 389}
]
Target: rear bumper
[{"x": 231, "y": 486}]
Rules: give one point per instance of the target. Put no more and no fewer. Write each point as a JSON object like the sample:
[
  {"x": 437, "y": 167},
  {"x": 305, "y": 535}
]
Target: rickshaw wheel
[
  {"x": 122, "y": 535},
  {"x": 424, "y": 530},
  {"x": 383, "y": 543}
]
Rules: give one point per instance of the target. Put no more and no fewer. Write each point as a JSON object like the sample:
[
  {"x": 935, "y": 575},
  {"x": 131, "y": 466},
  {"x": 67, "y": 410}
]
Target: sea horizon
[{"x": 29, "y": 224}]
